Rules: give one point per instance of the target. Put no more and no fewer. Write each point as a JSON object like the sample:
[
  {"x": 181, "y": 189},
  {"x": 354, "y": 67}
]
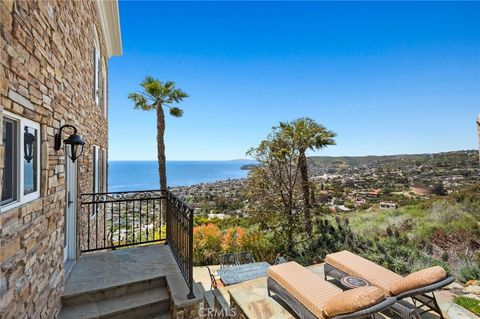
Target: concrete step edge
[
  {"x": 117, "y": 305},
  {"x": 113, "y": 291}
]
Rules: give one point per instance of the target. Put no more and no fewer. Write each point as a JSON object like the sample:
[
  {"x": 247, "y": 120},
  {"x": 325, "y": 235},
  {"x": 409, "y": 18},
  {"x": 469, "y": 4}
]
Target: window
[
  {"x": 104, "y": 170},
  {"x": 96, "y": 68},
  {"x": 96, "y": 168},
  {"x": 99, "y": 170},
  {"x": 104, "y": 77},
  {"x": 21, "y": 173}
]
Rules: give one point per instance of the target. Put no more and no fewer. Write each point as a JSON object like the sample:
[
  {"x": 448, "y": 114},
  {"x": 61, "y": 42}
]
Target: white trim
[
  {"x": 105, "y": 97},
  {"x": 95, "y": 177},
  {"x": 104, "y": 170},
  {"x": 96, "y": 65},
  {"x": 109, "y": 19},
  {"x": 21, "y": 198},
  {"x": 96, "y": 169}
]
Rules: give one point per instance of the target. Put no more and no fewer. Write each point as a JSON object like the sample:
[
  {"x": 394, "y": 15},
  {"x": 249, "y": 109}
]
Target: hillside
[{"x": 457, "y": 159}]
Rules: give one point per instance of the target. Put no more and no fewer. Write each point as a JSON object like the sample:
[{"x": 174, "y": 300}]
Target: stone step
[
  {"x": 209, "y": 299},
  {"x": 97, "y": 295},
  {"x": 145, "y": 304},
  {"x": 220, "y": 299}
]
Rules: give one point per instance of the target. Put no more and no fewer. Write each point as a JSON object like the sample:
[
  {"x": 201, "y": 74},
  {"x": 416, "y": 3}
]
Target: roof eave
[{"x": 110, "y": 21}]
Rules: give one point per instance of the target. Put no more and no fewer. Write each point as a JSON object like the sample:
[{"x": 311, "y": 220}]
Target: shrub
[
  {"x": 206, "y": 244},
  {"x": 444, "y": 213},
  {"x": 261, "y": 246},
  {"x": 445, "y": 256},
  {"x": 469, "y": 270},
  {"x": 231, "y": 240}
]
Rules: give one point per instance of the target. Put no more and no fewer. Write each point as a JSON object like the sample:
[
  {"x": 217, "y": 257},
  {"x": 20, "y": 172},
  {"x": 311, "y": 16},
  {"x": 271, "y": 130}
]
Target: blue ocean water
[{"x": 143, "y": 175}]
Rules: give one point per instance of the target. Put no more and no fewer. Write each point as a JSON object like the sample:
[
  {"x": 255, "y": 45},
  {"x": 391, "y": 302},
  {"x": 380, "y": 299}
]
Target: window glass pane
[
  {"x": 95, "y": 169},
  {"x": 9, "y": 159},
  {"x": 30, "y": 141},
  {"x": 99, "y": 169}
]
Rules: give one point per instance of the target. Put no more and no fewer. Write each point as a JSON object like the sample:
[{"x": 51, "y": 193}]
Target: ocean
[{"x": 143, "y": 175}]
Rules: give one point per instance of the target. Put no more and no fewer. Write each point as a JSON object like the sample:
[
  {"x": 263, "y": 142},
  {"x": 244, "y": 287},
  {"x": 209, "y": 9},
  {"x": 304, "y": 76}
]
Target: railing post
[
  {"x": 191, "y": 295},
  {"x": 167, "y": 215}
]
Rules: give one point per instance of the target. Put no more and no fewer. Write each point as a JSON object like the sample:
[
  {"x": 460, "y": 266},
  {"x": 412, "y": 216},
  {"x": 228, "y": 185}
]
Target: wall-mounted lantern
[
  {"x": 28, "y": 141},
  {"x": 75, "y": 142}
]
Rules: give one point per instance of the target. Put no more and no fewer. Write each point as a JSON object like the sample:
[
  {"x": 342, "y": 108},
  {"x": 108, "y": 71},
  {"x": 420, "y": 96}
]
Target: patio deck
[
  {"x": 101, "y": 271},
  {"x": 252, "y": 299}
]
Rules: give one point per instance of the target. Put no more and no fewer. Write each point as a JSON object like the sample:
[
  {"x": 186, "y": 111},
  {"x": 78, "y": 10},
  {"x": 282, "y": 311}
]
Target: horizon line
[{"x": 249, "y": 159}]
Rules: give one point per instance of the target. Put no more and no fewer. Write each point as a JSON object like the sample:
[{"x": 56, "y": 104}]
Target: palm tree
[
  {"x": 157, "y": 95},
  {"x": 306, "y": 134}
]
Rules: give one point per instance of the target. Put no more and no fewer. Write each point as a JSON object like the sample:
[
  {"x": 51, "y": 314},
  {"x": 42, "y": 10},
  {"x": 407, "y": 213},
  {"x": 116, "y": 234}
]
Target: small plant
[
  {"x": 429, "y": 248},
  {"x": 445, "y": 256},
  {"x": 468, "y": 303},
  {"x": 470, "y": 270}
]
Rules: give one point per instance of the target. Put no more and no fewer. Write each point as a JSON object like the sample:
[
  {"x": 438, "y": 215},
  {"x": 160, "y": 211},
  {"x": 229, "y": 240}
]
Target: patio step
[{"x": 142, "y": 299}]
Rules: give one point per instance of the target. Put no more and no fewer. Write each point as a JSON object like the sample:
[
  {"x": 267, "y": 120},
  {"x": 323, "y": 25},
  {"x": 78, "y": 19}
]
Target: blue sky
[{"x": 389, "y": 78}]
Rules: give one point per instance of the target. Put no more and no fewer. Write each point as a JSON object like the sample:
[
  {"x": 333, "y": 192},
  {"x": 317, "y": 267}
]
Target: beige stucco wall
[{"x": 46, "y": 75}]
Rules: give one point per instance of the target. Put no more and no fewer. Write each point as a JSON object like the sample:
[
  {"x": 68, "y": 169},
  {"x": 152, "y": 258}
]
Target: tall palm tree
[
  {"x": 156, "y": 95},
  {"x": 306, "y": 134}
]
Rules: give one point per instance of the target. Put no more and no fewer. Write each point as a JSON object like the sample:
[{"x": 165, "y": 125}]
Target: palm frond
[
  {"x": 140, "y": 102},
  {"x": 176, "y": 112},
  {"x": 152, "y": 86},
  {"x": 158, "y": 93}
]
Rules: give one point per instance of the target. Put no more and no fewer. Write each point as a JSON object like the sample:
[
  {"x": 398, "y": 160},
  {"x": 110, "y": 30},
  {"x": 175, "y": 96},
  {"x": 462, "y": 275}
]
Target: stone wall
[{"x": 46, "y": 75}]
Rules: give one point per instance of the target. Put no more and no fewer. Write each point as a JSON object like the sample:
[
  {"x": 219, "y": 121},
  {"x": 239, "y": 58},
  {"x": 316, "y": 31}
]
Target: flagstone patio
[{"x": 253, "y": 301}]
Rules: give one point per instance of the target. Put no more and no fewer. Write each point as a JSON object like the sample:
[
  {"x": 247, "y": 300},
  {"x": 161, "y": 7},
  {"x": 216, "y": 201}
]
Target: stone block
[
  {"x": 21, "y": 100},
  {"x": 8, "y": 247}
]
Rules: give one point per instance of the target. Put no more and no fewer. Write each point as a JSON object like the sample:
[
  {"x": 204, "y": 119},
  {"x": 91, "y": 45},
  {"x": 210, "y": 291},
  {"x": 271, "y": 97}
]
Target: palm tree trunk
[
  {"x": 302, "y": 163},
  {"x": 162, "y": 169},
  {"x": 162, "y": 161}
]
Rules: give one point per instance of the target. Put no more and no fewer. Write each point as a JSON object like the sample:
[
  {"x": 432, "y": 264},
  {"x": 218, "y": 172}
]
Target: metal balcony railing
[{"x": 120, "y": 219}]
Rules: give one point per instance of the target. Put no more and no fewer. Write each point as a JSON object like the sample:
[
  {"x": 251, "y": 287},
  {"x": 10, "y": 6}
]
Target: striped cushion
[
  {"x": 309, "y": 289},
  {"x": 355, "y": 265},
  {"x": 418, "y": 279},
  {"x": 353, "y": 300}
]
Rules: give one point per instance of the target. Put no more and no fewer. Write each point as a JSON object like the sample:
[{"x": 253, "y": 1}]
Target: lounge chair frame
[
  {"x": 418, "y": 295},
  {"x": 302, "y": 312}
]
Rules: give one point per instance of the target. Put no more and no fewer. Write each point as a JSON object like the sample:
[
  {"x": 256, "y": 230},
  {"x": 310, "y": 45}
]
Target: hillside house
[{"x": 55, "y": 234}]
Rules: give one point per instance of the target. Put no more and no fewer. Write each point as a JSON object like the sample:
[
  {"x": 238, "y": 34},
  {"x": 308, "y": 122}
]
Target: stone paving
[
  {"x": 102, "y": 270},
  {"x": 252, "y": 297}
]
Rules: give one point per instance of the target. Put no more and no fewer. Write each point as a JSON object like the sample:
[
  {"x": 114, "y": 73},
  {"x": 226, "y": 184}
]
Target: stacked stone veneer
[{"x": 46, "y": 75}]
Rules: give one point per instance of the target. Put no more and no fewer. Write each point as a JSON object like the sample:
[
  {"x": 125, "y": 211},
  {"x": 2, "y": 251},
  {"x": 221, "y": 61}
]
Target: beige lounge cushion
[
  {"x": 357, "y": 266},
  {"x": 418, "y": 279},
  {"x": 353, "y": 300},
  {"x": 308, "y": 288}
]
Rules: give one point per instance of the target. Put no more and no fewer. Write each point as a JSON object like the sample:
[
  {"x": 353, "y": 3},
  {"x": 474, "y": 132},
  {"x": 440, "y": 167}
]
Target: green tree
[
  {"x": 273, "y": 191},
  {"x": 156, "y": 95},
  {"x": 306, "y": 134}
]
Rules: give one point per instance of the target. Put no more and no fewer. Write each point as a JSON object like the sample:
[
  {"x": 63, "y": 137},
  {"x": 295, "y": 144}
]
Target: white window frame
[
  {"x": 96, "y": 169},
  {"x": 104, "y": 170},
  {"x": 96, "y": 63},
  {"x": 95, "y": 176},
  {"x": 21, "y": 198},
  {"x": 105, "y": 99}
]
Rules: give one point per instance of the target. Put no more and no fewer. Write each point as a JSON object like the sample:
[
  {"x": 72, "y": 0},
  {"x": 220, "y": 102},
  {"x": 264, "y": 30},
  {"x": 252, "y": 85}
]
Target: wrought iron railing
[
  {"x": 120, "y": 219},
  {"x": 180, "y": 236}
]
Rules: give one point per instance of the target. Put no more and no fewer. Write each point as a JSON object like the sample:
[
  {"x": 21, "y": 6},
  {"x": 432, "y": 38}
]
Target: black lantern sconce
[
  {"x": 28, "y": 141},
  {"x": 75, "y": 141}
]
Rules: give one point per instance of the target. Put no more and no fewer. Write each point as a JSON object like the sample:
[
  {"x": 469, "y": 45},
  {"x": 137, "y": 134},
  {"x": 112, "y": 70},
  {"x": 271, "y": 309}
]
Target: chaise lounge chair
[
  {"x": 309, "y": 296},
  {"x": 416, "y": 285}
]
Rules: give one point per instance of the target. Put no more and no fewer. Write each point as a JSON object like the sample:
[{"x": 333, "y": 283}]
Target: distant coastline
[{"x": 142, "y": 175}]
